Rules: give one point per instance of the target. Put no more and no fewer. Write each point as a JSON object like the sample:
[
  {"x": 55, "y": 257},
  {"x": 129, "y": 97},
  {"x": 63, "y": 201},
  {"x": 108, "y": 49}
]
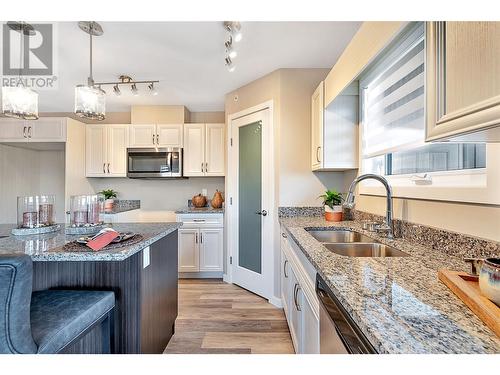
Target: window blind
[{"x": 393, "y": 98}]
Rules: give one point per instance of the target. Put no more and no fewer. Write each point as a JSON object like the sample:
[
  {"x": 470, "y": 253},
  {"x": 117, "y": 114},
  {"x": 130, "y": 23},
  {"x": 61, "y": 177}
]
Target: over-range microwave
[{"x": 154, "y": 162}]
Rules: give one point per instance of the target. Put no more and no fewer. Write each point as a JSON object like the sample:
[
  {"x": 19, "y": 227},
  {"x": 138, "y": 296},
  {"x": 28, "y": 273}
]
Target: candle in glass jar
[
  {"x": 46, "y": 213},
  {"x": 30, "y": 219},
  {"x": 80, "y": 218}
]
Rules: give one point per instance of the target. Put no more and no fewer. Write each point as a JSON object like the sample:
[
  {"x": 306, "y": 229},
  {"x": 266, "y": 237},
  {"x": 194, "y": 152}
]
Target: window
[{"x": 393, "y": 116}]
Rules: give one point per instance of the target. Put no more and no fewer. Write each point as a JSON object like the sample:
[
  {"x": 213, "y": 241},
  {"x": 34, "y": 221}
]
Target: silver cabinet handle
[
  {"x": 295, "y": 294},
  {"x": 103, "y": 167},
  {"x": 157, "y": 139},
  {"x": 199, "y": 220},
  {"x": 202, "y": 168},
  {"x": 263, "y": 213},
  {"x": 284, "y": 235},
  {"x": 284, "y": 268},
  {"x": 24, "y": 132},
  {"x": 206, "y": 167},
  {"x": 201, "y": 237},
  {"x": 153, "y": 139},
  {"x": 29, "y": 131},
  {"x": 196, "y": 237},
  {"x": 317, "y": 153},
  {"x": 108, "y": 168}
]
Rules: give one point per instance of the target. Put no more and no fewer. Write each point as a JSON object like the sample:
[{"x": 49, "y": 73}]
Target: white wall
[{"x": 29, "y": 172}]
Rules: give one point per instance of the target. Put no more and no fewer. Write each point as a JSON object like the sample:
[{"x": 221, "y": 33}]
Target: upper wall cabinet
[
  {"x": 106, "y": 150},
  {"x": 334, "y": 130},
  {"x": 463, "y": 81},
  {"x": 204, "y": 148},
  {"x": 156, "y": 135},
  {"x": 45, "y": 129}
]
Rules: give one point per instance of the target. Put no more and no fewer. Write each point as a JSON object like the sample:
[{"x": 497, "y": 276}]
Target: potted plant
[
  {"x": 332, "y": 201},
  {"x": 109, "y": 196}
]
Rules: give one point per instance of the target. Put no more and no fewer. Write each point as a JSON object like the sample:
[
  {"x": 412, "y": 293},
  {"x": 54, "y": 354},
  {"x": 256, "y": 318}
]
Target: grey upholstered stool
[{"x": 48, "y": 321}]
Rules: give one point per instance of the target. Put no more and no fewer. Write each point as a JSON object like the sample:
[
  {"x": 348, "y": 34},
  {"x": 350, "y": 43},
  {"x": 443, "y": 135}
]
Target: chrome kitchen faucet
[{"x": 380, "y": 227}]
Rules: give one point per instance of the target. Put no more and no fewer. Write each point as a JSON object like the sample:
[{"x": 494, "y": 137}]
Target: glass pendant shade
[
  {"x": 20, "y": 102},
  {"x": 90, "y": 102}
]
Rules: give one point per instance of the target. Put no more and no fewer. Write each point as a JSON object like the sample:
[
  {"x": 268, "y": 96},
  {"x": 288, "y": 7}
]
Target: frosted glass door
[{"x": 250, "y": 196}]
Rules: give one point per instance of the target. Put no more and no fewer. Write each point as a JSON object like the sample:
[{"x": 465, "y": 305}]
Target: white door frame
[{"x": 231, "y": 190}]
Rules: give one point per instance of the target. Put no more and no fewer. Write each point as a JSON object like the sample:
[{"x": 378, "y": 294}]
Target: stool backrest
[{"x": 16, "y": 278}]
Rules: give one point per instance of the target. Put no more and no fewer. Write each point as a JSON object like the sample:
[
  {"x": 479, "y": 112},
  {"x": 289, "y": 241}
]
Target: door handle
[
  {"x": 24, "y": 132},
  {"x": 108, "y": 168},
  {"x": 284, "y": 268},
  {"x": 317, "y": 153},
  {"x": 263, "y": 213}
]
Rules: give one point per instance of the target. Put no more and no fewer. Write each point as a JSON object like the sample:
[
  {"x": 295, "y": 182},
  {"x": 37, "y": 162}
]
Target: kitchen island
[{"x": 143, "y": 276}]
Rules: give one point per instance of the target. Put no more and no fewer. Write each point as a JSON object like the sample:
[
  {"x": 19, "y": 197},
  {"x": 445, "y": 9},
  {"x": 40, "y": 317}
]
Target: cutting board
[{"x": 466, "y": 287}]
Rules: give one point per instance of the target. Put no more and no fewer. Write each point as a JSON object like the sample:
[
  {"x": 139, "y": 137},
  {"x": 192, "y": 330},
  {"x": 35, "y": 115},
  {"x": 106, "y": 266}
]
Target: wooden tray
[{"x": 466, "y": 287}]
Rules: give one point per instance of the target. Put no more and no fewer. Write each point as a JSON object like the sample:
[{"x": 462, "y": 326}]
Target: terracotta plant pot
[
  {"x": 333, "y": 216},
  {"x": 217, "y": 200}
]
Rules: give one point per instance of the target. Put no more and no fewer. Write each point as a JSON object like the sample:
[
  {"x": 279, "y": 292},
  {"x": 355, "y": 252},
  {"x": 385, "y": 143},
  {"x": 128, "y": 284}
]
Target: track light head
[
  {"x": 134, "y": 90},
  {"x": 116, "y": 90},
  {"x": 152, "y": 89}
]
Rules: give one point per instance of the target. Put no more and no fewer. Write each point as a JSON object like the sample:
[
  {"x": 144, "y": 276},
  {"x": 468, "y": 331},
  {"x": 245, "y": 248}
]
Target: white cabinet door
[
  {"x": 142, "y": 135},
  {"x": 117, "y": 143},
  {"x": 169, "y": 135},
  {"x": 12, "y": 130},
  {"x": 194, "y": 149},
  {"x": 95, "y": 150},
  {"x": 189, "y": 250},
  {"x": 214, "y": 150},
  {"x": 317, "y": 113},
  {"x": 310, "y": 326},
  {"x": 49, "y": 129},
  {"x": 295, "y": 316},
  {"x": 211, "y": 248}
]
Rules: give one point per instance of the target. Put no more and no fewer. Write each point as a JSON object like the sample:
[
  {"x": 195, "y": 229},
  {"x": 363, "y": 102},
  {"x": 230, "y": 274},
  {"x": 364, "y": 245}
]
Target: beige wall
[
  {"x": 164, "y": 114},
  {"x": 29, "y": 172},
  {"x": 207, "y": 117}
]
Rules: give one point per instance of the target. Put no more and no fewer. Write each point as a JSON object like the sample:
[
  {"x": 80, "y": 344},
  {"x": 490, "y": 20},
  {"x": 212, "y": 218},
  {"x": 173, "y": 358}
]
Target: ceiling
[{"x": 187, "y": 58}]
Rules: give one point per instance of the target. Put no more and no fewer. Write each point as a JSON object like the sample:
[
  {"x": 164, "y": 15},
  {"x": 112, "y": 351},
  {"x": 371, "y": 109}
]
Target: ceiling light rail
[{"x": 234, "y": 36}]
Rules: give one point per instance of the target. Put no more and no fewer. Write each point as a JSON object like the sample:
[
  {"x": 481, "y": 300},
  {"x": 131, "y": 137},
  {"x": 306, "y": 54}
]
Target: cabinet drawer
[{"x": 201, "y": 220}]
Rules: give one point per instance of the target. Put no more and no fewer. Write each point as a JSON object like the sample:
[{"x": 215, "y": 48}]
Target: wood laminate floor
[{"x": 216, "y": 317}]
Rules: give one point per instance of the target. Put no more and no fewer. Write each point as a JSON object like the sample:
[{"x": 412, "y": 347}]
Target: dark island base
[{"x": 146, "y": 298}]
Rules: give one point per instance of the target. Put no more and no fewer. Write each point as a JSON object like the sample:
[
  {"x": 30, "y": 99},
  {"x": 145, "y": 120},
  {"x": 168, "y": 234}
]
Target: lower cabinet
[
  {"x": 299, "y": 300},
  {"x": 201, "y": 244}
]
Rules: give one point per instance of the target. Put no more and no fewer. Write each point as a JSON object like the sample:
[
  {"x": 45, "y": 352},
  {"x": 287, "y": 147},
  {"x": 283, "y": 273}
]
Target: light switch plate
[{"x": 145, "y": 257}]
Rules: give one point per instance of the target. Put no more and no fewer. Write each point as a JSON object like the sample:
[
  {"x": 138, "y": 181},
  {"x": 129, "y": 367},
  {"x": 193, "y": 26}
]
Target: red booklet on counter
[{"x": 103, "y": 238}]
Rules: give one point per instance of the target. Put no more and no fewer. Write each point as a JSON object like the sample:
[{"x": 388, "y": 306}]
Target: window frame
[{"x": 478, "y": 185}]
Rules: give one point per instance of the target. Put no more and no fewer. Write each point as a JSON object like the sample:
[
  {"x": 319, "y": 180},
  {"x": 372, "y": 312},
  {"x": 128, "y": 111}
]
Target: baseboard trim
[
  {"x": 275, "y": 301},
  {"x": 200, "y": 275}
]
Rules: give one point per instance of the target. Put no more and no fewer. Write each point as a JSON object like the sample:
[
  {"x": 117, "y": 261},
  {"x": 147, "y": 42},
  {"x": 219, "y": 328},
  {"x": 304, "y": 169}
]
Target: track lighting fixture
[
  {"x": 234, "y": 30},
  {"x": 134, "y": 90},
  {"x": 152, "y": 89}
]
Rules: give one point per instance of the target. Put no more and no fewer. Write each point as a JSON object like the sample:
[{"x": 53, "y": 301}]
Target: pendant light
[
  {"x": 19, "y": 101},
  {"x": 90, "y": 100}
]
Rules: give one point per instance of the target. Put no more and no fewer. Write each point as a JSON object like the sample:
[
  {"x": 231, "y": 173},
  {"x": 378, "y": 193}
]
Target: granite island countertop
[
  {"x": 49, "y": 247},
  {"x": 398, "y": 303}
]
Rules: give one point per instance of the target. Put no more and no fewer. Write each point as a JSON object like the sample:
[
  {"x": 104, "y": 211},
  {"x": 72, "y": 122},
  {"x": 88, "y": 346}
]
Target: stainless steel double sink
[{"x": 353, "y": 244}]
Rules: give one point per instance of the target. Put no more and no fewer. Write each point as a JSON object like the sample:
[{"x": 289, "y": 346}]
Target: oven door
[{"x": 148, "y": 163}]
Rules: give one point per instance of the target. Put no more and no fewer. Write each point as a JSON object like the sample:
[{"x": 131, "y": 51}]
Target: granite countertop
[
  {"x": 49, "y": 247},
  {"x": 398, "y": 303},
  {"x": 202, "y": 210}
]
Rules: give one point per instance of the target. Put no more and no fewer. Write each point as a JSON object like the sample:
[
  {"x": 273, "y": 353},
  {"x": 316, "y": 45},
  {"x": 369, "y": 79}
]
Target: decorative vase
[
  {"x": 489, "y": 280},
  {"x": 333, "y": 214},
  {"x": 217, "y": 200},
  {"x": 199, "y": 201}
]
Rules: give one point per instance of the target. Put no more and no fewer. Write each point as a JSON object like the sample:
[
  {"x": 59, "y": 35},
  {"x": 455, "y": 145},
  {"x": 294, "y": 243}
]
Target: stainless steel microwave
[{"x": 154, "y": 162}]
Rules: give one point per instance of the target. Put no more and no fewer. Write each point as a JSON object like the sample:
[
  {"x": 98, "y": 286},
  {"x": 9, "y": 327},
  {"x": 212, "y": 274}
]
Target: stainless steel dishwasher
[{"x": 338, "y": 334}]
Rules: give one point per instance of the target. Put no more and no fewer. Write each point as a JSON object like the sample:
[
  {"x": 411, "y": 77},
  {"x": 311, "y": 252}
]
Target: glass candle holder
[
  {"x": 86, "y": 210},
  {"x": 36, "y": 211}
]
